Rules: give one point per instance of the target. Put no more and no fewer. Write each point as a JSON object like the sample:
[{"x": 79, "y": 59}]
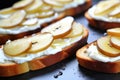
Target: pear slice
[
  {"x": 115, "y": 13},
  {"x": 33, "y": 8},
  {"x": 58, "y": 43},
  {"x": 105, "y": 7},
  {"x": 22, "y": 4},
  {"x": 7, "y": 11},
  {"x": 115, "y": 42},
  {"x": 14, "y": 19},
  {"x": 114, "y": 32},
  {"x": 16, "y": 47},
  {"x": 60, "y": 28},
  {"x": 45, "y": 14},
  {"x": 77, "y": 30},
  {"x": 104, "y": 46},
  {"x": 45, "y": 8},
  {"x": 40, "y": 42},
  {"x": 30, "y": 22},
  {"x": 53, "y": 3},
  {"x": 64, "y": 1},
  {"x": 115, "y": 16}
]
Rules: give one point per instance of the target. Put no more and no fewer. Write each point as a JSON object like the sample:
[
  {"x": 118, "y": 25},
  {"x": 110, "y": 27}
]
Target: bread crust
[
  {"x": 102, "y": 25},
  {"x": 7, "y": 70},
  {"x": 89, "y": 63},
  {"x": 68, "y": 12}
]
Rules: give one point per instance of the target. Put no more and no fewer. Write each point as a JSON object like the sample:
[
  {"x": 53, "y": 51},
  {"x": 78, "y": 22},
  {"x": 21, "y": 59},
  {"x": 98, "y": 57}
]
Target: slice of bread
[
  {"x": 89, "y": 63},
  {"x": 102, "y": 25},
  {"x": 68, "y": 12},
  {"x": 10, "y": 68},
  {"x": 104, "y": 15}
]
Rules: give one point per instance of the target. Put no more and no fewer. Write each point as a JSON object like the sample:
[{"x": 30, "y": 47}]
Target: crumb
[{"x": 58, "y": 74}]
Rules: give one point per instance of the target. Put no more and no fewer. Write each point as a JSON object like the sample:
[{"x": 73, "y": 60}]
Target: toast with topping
[
  {"x": 102, "y": 55},
  {"x": 104, "y": 15},
  {"x": 53, "y": 44},
  {"x": 26, "y": 17}
]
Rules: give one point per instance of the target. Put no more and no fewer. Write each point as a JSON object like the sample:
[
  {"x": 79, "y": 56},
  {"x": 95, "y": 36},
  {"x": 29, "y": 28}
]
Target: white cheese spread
[
  {"x": 21, "y": 29},
  {"x": 73, "y": 4},
  {"x": 102, "y": 18},
  {"x": 54, "y": 48},
  {"x": 96, "y": 55}
]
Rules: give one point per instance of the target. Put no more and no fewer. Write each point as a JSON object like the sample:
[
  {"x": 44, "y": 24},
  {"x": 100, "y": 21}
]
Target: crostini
[
  {"x": 102, "y": 55},
  {"x": 104, "y": 15},
  {"x": 53, "y": 44},
  {"x": 29, "y": 16}
]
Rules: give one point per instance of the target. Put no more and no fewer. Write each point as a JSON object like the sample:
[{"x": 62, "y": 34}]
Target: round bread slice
[
  {"x": 89, "y": 63},
  {"x": 102, "y": 25}
]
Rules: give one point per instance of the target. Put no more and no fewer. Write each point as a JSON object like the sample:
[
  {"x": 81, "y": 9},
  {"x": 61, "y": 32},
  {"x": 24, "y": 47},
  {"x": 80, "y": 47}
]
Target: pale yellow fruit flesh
[
  {"x": 53, "y": 3},
  {"x": 77, "y": 30},
  {"x": 7, "y": 11},
  {"x": 16, "y": 47},
  {"x": 64, "y": 1},
  {"x": 105, "y": 7},
  {"x": 104, "y": 46},
  {"x": 14, "y": 19},
  {"x": 30, "y": 22},
  {"x": 33, "y": 8},
  {"x": 114, "y": 32},
  {"x": 45, "y": 14},
  {"x": 115, "y": 42},
  {"x": 58, "y": 42},
  {"x": 22, "y": 4},
  {"x": 60, "y": 28},
  {"x": 115, "y": 13},
  {"x": 45, "y": 8},
  {"x": 40, "y": 42}
]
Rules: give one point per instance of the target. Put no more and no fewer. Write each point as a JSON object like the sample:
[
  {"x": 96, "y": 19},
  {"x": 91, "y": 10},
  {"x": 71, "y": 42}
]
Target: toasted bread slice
[
  {"x": 102, "y": 25},
  {"x": 10, "y": 68},
  {"x": 68, "y": 12},
  {"x": 89, "y": 63},
  {"x": 104, "y": 15}
]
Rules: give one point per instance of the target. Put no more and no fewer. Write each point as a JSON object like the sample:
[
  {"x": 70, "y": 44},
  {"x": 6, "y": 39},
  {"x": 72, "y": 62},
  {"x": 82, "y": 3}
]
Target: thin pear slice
[
  {"x": 60, "y": 28},
  {"x": 77, "y": 30},
  {"x": 116, "y": 12},
  {"x": 105, "y": 7},
  {"x": 30, "y": 22},
  {"x": 40, "y": 42},
  {"x": 104, "y": 46},
  {"x": 22, "y": 4},
  {"x": 7, "y": 11},
  {"x": 115, "y": 16},
  {"x": 45, "y": 8},
  {"x": 14, "y": 19},
  {"x": 16, "y": 47},
  {"x": 115, "y": 42},
  {"x": 58, "y": 43},
  {"x": 33, "y": 8},
  {"x": 64, "y": 1},
  {"x": 114, "y": 32},
  {"x": 53, "y": 3},
  {"x": 45, "y": 14}
]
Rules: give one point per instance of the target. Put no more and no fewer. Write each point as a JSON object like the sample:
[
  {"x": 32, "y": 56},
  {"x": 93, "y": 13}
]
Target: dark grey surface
[{"x": 69, "y": 68}]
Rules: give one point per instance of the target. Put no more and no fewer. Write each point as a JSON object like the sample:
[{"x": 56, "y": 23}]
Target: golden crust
[
  {"x": 87, "y": 62},
  {"x": 101, "y": 24},
  {"x": 12, "y": 69}
]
